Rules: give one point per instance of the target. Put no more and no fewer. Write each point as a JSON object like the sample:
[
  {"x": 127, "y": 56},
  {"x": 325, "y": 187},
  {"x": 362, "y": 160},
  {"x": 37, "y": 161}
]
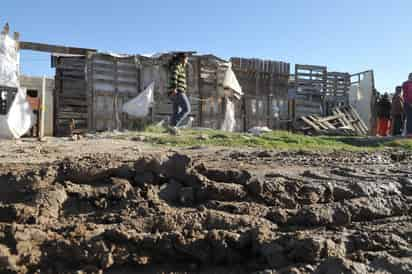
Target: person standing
[
  {"x": 178, "y": 91},
  {"x": 384, "y": 115},
  {"x": 397, "y": 112},
  {"x": 407, "y": 100}
]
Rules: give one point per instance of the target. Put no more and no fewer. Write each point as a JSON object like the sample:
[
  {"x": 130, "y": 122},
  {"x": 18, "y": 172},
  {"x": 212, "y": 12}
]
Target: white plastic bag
[
  {"x": 9, "y": 61},
  {"x": 229, "y": 123},
  {"x": 19, "y": 120},
  {"x": 140, "y": 105},
  {"x": 259, "y": 130}
]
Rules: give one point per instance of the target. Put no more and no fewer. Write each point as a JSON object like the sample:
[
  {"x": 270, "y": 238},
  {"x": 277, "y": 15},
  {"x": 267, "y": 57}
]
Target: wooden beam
[{"x": 54, "y": 48}]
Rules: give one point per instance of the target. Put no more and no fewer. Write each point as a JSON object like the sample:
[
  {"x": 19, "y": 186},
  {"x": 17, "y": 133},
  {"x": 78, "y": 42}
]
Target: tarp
[
  {"x": 140, "y": 105},
  {"x": 19, "y": 119},
  {"x": 230, "y": 82}
]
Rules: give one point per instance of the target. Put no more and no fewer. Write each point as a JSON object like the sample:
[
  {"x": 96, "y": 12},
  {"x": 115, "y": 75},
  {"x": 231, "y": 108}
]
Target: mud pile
[{"x": 228, "y": 212}]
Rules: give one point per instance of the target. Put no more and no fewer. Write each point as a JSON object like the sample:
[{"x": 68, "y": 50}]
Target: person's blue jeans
[
  {"x": 181, "y": 108},
  {"x": 408, "y": 114}
]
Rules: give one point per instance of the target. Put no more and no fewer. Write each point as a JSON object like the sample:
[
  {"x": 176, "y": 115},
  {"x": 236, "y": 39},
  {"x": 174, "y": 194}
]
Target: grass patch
[{"x": 279, "y": 140}]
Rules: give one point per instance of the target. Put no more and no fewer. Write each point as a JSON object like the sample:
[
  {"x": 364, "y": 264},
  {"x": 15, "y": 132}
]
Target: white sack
[
  {"x": 19, "y": 120},
  {"x": 259, "y": 130},
  {"x": 140, "y": 105},
  {"x": 9, "y": 61},
  {"x": 229, "y": 123}
]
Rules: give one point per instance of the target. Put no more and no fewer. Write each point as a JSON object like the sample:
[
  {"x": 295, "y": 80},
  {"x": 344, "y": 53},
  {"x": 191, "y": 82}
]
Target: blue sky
[{"x": 348, "y": 36}]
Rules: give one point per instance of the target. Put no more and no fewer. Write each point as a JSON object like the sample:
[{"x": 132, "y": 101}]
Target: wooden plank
[
  {"x": 310, "y": 123},
  {"x": 71, "y": 115},
  {"x": 330, "y": 118},
  {"x": 54, "y": 48},
  {"x": 343, "y": 120},
  {"x": 79, "y": 109},
  {"x": 362, "y": 123},
  {"x": 322, "y": 125},
  {"x": 351, "y": 121}
]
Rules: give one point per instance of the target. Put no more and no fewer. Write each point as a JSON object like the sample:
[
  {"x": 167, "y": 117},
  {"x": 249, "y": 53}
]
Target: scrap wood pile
[{"x": 343, "y": 121}]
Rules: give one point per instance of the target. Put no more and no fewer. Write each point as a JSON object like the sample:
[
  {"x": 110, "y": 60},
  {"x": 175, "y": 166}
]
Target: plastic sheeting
[
  {"x": 259, "y": 130},
  {"x": 232, "y": 89},
  {"x": 9, "y": 61},
  {"x": 19, "y": 119},
  {"x": 229, "y": 123},
  {"x": 230, "y": 82},
  {"x": 140, "y": 105}
]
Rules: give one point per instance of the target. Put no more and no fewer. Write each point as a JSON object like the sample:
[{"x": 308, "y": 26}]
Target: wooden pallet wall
[
  {"x": 265, "y": 86},
  {"x": 70, "y": 96}
]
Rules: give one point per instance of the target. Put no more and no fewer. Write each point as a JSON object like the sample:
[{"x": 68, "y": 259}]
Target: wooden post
[
  {"x": 117, "y": 123},
  {"x": 199, "y": 86},
  {"x": 244, "y": 112},
  {"x": 42, "y": 109}
]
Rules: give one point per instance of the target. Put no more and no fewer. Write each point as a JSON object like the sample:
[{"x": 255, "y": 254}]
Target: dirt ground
[{"x": 121, "y": 206}]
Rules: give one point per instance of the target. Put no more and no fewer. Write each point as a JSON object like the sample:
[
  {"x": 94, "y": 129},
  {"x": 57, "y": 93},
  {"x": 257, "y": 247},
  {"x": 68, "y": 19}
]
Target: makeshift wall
[
  {"x": 70, "y": 96},
  {"x": 311, "y": 86},
  {"x": 210, "y": 79},
  {"x": 361, "y": 96},
  {"x": 112, "y": 81},
  {"x": 31, "y": 83},
  {"x": 94, "y": 98},
  {"x": 337, "y": 92},
  {"x": 317, "y": 91},
  {"x": 116, "y": 80},
  {"x": 265, "y": 88}
]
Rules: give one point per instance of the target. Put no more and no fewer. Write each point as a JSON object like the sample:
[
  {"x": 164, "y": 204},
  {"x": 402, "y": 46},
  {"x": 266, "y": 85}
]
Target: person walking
[
  {"x": 384, "y": 115},
  {"x": 397, "y": 112},
  {"x": 407, "y": 100},
  {"x": 177, "y": 92}
]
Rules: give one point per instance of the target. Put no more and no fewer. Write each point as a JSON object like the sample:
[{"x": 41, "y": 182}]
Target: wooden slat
[
  {"x": 54, "y": 48},
  {"x": 310, "y": 123},
  {"x": 71, "y": 115}
]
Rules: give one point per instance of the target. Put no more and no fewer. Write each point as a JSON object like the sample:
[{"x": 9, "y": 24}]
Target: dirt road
[{"x": 121, "y": 206}]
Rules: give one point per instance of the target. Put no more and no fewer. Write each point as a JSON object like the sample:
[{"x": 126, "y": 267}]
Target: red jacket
[{"x": 407, "y": 92}]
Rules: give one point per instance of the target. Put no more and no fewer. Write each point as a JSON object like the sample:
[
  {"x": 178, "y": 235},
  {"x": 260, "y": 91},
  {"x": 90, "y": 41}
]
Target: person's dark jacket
[
  {"x": 397, "y": 105},
  {"x": 384, "y": 108}
]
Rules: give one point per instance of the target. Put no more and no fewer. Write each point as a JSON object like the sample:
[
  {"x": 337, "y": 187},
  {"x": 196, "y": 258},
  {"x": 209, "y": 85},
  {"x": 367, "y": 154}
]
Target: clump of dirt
[{"x": 224, "y": 212}]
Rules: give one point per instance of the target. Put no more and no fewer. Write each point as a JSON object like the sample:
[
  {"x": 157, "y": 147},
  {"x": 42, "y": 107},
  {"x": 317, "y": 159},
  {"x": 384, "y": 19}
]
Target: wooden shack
[{"x": 91, "y": 90}]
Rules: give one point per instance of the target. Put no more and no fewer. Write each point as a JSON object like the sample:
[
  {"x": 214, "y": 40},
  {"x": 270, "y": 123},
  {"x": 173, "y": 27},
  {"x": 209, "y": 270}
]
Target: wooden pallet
[{"x": 344, "y": 121}]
